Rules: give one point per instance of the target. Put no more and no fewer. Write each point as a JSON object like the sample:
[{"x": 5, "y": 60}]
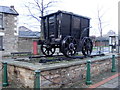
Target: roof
[
  {"x": 65, "y": 12},
  {"x": 30, "y": 37},
  {"x": 8, "y": 10},
  {"x": 102, "y": 38},
  {"x": 27, "y": 33}
]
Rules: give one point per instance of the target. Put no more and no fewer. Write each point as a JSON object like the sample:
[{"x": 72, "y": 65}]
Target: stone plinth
[{"x": 63, "y": 73}]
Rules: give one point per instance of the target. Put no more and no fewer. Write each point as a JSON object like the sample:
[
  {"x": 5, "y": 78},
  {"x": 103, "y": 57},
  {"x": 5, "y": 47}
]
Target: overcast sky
[{"x": 82, "y": 7}]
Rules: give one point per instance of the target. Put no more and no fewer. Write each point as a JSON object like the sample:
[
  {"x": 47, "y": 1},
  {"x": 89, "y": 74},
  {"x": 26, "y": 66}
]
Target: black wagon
[{"x": 68, "y": 32}]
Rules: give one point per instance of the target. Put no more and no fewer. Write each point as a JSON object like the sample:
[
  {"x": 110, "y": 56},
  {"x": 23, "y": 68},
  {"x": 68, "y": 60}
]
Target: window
[
  {"x": 1, "y": 21},
  {"x": 1, "y": 42}
]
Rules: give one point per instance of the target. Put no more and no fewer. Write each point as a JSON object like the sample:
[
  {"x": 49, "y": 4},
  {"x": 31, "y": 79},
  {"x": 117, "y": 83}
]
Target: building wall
[
  {"x": 25, "y": 44},
  {"x": 119, "y": 26},
  {"x": 10, "y": 38},
  {"x": 11, "y": 41},
  {"x": 103, "y": 43}
]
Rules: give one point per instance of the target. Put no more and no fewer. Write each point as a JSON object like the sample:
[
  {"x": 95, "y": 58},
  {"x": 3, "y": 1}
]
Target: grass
[{"x": 7, "y": 56}]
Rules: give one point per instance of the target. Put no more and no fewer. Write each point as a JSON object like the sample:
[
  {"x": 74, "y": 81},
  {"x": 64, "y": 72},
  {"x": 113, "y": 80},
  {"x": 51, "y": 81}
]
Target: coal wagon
[{"x": 68, "y": 32}]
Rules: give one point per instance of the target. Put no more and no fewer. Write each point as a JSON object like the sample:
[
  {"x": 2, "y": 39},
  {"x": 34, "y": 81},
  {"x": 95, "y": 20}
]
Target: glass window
[
  {"x": 1, "y": 21},
  {"x": 1, "y": 42}
]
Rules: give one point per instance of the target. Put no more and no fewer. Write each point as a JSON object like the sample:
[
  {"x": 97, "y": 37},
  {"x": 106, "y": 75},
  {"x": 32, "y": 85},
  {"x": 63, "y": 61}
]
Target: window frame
[
  {"x": 2, "y": 26},
  {"x": 1, "y": 43}
]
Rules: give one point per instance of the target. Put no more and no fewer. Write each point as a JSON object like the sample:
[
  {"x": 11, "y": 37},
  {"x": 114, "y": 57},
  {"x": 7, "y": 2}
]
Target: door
[{"x": 35, "y": 48}]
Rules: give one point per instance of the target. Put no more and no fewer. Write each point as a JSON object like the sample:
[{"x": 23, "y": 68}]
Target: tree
[
  {"x": 101, "y": 24},
  {"x": 38, "y": 8}
]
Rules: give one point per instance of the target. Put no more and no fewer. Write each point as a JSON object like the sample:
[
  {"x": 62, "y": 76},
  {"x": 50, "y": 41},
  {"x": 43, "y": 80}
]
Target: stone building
[
  {"x": 8, "y": 29},
  {"x": 13, "y": 39},
  {"x": 27, "y": 40}
]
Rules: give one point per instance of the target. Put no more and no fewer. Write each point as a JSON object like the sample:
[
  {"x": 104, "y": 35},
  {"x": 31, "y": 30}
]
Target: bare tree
[
  {"x": 101, "y": 23},
  {"x": 38, "y": 8}
]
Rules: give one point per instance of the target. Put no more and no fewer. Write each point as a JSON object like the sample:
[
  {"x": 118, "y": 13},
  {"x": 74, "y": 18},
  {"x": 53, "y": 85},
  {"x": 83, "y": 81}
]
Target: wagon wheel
[
  {"x": 87, "y": 46},
  {"x": 69, "y": 46},
  {"x": 47, "y": 49}
]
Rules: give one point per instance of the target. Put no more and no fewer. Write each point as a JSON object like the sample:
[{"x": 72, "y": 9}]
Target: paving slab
[
  {"x": 113, "y": 81},
  {"x": 110, "y": 84},
  {"x": 0, "y": 78}
]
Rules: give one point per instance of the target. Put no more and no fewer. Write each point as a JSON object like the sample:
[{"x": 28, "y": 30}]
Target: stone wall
[
  {"x": 25, "y": 44},
  {"x": 73, "y": 74},
  {"x": 58, "y": 74},
  {"x": 10, "y": 40},
  {"x": 21, "y": 76}
]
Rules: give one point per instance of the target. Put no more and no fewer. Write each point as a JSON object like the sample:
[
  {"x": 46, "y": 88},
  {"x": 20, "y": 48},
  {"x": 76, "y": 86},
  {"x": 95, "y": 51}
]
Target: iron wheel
[
  {"x": 69, "y": 46},
  {"x": 87, "y": 46},
  {"x": 47, "y": 49}
]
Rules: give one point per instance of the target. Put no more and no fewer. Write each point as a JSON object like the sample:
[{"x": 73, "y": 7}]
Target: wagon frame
[{"x": 67, "y": 31}]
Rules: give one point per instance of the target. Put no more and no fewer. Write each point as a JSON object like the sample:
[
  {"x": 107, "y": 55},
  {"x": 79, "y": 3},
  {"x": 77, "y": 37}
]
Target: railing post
[
  {"x": 113, "y": 64},
  {"x": 5, "y": 76},
  {"x": 88, "y": 74},
  {"x": 37, "y": 80}
]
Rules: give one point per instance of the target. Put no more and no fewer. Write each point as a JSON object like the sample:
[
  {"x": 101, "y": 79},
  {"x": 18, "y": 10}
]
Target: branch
[
  {"x": 48, "y": 4},
  {"x": 32, "y": 14},
  {"x": 38, "y": 5}
]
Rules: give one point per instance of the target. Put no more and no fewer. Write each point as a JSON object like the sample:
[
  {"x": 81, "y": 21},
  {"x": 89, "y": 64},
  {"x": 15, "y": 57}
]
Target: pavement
[{"x": 110, "y": 82}]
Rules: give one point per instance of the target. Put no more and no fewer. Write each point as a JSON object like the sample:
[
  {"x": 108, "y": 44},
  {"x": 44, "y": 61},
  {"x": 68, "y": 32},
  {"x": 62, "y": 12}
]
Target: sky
[{"x": 87, "y": 8}]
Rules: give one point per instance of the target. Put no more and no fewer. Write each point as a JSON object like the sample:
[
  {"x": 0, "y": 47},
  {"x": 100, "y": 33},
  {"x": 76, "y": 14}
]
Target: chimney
[{"x": 12, "y": 7}]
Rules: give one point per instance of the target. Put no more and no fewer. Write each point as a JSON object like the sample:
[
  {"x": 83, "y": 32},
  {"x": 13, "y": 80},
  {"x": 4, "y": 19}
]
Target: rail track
[{"x": 44, "y": 59}]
